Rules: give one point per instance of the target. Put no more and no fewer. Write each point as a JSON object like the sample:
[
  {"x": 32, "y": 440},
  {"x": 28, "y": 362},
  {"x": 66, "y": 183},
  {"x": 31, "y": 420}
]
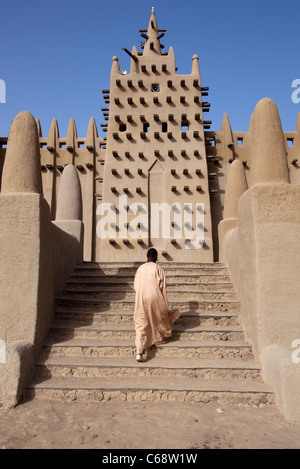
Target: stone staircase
[{"x": 89, "y": 353}]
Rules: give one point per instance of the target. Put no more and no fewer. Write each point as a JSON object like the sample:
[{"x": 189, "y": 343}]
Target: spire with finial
[{"x": 152, "y": 43}]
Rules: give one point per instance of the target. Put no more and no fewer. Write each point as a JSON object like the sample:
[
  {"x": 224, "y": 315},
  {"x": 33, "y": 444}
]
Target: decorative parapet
[{"x": 36, "y": 256}]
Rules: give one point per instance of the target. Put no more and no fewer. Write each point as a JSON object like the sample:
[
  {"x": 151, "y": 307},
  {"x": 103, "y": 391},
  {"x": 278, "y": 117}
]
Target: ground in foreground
[{"x": 39, "y": 424}]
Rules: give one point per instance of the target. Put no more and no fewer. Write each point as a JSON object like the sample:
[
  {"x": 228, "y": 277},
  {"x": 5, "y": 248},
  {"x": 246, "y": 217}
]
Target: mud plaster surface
[{"x": 45, "y": 424}]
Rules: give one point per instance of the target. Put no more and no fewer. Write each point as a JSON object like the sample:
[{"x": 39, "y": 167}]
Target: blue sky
[{"x": 56, "y": 56}]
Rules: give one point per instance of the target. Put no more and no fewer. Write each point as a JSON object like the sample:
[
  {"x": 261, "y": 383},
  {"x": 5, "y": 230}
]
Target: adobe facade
[
  {"x": 225, "y": 195},
  {"x": 160, "y": 165}
]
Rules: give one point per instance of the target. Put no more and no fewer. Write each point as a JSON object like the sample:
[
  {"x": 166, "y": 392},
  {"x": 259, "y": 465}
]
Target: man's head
[{"x": 152, "y": 255}]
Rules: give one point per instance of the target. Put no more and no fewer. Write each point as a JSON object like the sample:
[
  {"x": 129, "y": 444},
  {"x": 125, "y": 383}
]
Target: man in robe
[{"x": 153, "y": 321}]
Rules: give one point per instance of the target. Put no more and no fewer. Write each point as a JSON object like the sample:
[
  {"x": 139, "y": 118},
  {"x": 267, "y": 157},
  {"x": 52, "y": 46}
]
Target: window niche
[
  {"x": 164, "y": 127},
  {"x": 155, "y": 87},
  {"x": 122, "y": 127}
]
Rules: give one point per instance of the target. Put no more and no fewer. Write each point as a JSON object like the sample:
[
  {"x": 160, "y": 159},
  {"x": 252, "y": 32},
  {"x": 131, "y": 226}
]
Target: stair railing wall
[
  {"x": 262, "y": 254},
  {"x": 36, "y": 255}
]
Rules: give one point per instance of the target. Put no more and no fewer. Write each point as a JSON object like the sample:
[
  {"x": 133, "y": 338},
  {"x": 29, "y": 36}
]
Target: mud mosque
[{"x": 160, "y": 177}]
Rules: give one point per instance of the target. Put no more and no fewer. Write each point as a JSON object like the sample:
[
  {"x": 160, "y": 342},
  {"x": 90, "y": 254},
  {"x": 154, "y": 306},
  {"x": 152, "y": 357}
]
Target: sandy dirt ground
[{"x": 40, "y": 424}]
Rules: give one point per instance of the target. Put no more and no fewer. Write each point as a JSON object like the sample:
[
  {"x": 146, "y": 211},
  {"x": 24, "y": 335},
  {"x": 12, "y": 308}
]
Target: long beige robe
[{"x": 153, "y": 321}]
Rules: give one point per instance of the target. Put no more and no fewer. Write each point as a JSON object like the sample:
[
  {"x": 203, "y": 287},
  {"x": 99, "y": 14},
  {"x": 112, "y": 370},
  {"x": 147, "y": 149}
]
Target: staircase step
[
  {"x": 129, "y": 268},
  {"x": 119, "y": 266},
  {"x": 123, "y": 331},
  {"x": 103, "y": 278},
  {"x": 89, "y": 352},
  {"x": 153, "y": 388},
  {"x": 99, "y": 286},
  {"x": 191, "y": 319},
  {"x": 158, "y": 366},
  {"x": 129, "y": 294},
  {"x": 100, "y": 304},
  {"x": 125, "y": 348}
]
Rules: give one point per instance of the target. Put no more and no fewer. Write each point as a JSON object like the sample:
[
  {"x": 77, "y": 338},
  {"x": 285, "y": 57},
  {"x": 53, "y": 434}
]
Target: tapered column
[
  {"x": 269, "y": 156},
  {"x": 236, "y": 186},
  {"x": 21, "y": 170},
  {"x": 69, "y": 202}
]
